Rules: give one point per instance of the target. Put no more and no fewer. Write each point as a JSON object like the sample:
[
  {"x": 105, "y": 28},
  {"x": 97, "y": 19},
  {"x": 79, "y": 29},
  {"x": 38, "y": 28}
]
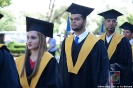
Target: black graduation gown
[
  {"x": 121, "y": 61},
  {"x": 50, "y": 77},
  {"x": 131, "y": 83},
  {"x": 8, "y": 73},
  {"x": 92, "y": 73}
]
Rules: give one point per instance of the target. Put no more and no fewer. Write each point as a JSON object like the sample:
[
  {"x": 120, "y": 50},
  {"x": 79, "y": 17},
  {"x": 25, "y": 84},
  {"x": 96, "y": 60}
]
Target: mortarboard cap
[
  {"x": 43, "y": 27},
  {"x": 1, "y": 16},
  {"x": 110, "y": 14},
  {"x": 78, "y": 9},
  {"x": 127, "y": 26}
]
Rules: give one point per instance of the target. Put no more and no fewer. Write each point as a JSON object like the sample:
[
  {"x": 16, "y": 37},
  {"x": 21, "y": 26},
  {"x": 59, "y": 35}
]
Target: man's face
[
  {"x": 110, "y": 25},
  {"x": 128, "y": 34},
  {"x": 77, "y": 22}
]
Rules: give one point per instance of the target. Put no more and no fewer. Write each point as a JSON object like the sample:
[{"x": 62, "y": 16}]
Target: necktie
[{"x": 76, "y": 39}]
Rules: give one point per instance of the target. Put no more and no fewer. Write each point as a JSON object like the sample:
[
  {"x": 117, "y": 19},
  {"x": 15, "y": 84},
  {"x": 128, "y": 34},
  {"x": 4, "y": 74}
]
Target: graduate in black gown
[
  {"x": 8, "y": 73},
  {"x": 84, "y": 61},
  {"x": 38, "y": 68},
  {"x": 119, "y": 50},
  {"x": 128, "y": 33}
]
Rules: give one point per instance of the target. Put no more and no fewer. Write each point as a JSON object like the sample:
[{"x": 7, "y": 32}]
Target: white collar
[
  {"x": 110, "y": 35},
  {"x": 131, "y": 41},
  {"x": 82, "y": 36}
]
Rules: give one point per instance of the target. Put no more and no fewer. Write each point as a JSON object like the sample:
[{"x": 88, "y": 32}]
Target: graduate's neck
[
  {"x": 34, "y": 55},
  {"x": 79, "y": 32},
  {"x": 108, "y": 33}
]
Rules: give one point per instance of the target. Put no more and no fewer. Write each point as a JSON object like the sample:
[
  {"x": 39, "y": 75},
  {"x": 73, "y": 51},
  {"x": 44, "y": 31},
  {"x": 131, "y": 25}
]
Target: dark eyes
[
  {"x": 77, "y": 19},
  {"x": 114, "y": 21},
  {"x": 32, "y": 37}
]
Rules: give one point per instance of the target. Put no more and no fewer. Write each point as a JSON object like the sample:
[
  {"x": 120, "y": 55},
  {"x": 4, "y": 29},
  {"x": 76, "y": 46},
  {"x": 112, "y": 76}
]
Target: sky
[{"x": 41, "y": 6}]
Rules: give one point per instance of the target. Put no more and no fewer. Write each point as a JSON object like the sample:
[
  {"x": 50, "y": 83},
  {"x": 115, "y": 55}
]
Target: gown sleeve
[
  {"x": 124, "y": 61},
  {"x": 9, "y": 71}
]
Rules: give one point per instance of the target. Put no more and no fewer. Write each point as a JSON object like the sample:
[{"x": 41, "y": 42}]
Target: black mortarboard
[
  {"x": 1, "y": 16},
  {"x": 127, "y": 26},
  {"x": 43, "y": 27},
  {"x": 78, "y": 9},
  {"x": 110, "y": 14}
]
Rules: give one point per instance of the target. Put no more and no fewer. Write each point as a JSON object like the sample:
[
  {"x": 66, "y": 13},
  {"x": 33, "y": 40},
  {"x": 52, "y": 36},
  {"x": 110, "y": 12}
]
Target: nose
[
  {"x": 73, "y": 21},
  {"x": 111, "y": 22},
  {"x": 29, "y": 40}
]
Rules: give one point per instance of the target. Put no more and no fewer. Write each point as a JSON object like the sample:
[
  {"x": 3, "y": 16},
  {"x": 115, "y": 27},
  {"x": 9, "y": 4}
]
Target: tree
[
  {"x": 59, "y": 18},
  {"x": 130, "y": 18},
  {"x": 7, "y": 22},
  {"x": 4, "y": 3}
]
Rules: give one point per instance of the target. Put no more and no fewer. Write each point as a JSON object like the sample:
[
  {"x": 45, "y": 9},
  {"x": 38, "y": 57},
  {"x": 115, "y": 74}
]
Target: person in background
[
  {"x": 128, "y": 33},
  {"x": 38, "y": 68},
  {"x": 52, "y": 46},
  {"x": 8, "y": 73},
  {"x": 119, "y": 50}
]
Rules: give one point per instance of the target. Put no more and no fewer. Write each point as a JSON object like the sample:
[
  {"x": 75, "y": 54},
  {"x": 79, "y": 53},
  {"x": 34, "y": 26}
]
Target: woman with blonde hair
[{"x": 38, "y": 68}]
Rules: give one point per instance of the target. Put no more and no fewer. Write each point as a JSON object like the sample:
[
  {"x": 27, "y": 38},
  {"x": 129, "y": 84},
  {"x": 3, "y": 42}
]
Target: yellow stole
[
  {"x": 23, "y": 80},
  {"x": 84, "y": 52},
  {"x": 113, "y": 44},
  {"x": 1, "y": 45},
  {"x": 132, "y": 52}
]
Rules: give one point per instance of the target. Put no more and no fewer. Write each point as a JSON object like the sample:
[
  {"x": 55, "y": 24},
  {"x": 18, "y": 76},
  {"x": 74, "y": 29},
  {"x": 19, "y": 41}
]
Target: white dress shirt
[
  {"x": 108, "y": 38},
  {"x": 131, "y": 41},
  {"x": 82, "y": 36}
]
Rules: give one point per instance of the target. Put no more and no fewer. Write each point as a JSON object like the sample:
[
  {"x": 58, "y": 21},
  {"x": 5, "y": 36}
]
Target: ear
[
  {"x": 116, "y": 23},
  {"x": 132, "y": 34},
  {"x": 84, "y": 21}
]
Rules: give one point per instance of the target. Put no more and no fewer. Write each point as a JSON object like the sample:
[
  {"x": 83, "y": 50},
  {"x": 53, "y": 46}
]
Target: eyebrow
[
  {"x": 74, "y": 18},
  {"x": 31, "y": 36}
]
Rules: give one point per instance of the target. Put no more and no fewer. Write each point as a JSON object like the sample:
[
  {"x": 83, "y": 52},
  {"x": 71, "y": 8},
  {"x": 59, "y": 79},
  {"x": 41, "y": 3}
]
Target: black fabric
[
  {"x": 50, "y": 77},
  {"x": 92, "y": 73},
  {"x": 121, "y": 61},
  {"x": 8, "y": 73}
]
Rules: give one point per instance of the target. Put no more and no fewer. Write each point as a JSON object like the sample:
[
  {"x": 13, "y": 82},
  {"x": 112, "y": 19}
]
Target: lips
[
  {"x": 74, "y": 25},
  {"x": 29, "y": 45}
]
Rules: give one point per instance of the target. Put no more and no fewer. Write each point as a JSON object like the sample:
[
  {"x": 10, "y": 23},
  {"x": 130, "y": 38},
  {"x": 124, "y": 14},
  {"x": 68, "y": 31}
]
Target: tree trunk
[
  {"x": 51, "y": 11},
  {"x": 56, "y": 17},
  {"x": 47, "y": 15}
]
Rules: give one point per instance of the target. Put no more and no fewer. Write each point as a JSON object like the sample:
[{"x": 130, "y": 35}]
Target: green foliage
[
  {"x": 4, "y": 3},
  {"x": 7, "y": 22},
  {"x": 11, "y": 45},
  {"x": 16, "y": 48},
  {"x": 58, "y": 20},
  {"x": 130, "y": 18},
  {"x": 19, "y": 46}
]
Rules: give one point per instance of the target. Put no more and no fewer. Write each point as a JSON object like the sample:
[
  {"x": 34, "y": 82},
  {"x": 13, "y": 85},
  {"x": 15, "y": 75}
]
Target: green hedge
[
  {"x": 16, "y": 48},
  {"x": 19, "y": 48}
]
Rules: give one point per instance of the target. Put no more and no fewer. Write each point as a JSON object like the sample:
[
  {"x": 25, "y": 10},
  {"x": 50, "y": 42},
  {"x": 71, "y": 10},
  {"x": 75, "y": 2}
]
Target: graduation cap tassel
[
  {"x": 102, "y": 27},
  {"x": 68, "y": 24}
]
